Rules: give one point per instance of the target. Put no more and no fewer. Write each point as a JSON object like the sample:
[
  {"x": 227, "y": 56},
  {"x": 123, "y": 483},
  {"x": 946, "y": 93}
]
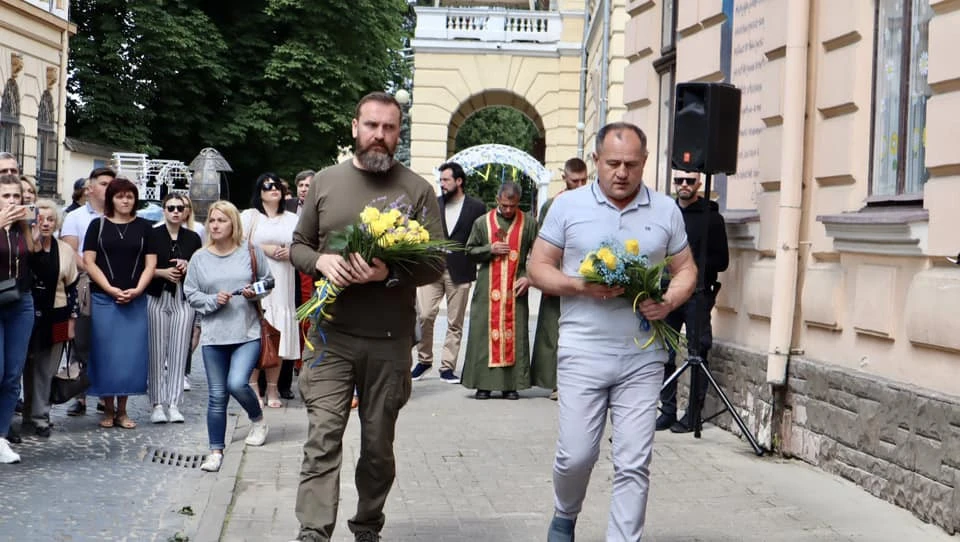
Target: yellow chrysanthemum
[
  {"x": 388, "y": 240},
  {"x": 632, "y": 246},
  {"x": 586, "y": 266},
  {"x": 395, "y": 216},
  {"x": 414, "y": 225},
  {"x": 423, "y": 235},
  {"x": 607, "y": 257},
  {"x": 369, "y": 215}
]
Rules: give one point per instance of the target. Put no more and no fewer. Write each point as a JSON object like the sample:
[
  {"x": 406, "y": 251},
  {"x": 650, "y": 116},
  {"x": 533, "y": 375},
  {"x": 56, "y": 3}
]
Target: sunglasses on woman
[
  {"x": 680, "y": 181},
  {"x": 270, "y": 185},
  {"x": 175, "y": 208}
]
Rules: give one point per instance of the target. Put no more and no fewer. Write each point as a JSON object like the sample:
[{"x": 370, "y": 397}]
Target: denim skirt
[{"x": 119, "y": 346}]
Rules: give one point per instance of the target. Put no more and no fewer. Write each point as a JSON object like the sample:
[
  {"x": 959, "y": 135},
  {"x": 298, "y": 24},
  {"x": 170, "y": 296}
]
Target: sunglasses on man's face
[
  {"x": 680, "y": 181},
  {"x": 175, "y": 208},
  {"x": 9, "y": 170},
  {"x": 270, "y": 185}
]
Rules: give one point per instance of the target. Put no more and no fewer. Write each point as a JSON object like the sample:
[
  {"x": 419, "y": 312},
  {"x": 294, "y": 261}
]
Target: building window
[
  {"x": 46, "y": 147},
  {"x": 900, "y": 98},
  {"x": 11, "y": 132},
  {"x": 666, "y": 67}
]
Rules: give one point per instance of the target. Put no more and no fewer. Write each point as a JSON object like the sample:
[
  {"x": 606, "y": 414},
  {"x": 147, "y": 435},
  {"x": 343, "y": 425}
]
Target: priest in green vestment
[
  {"x": 543, "y": 364},
  {"x": 498, "y": 342}
]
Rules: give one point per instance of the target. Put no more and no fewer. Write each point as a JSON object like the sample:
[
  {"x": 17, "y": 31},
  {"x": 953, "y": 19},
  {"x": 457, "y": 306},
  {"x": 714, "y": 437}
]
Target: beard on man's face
[{"x": 376, "y": 157}]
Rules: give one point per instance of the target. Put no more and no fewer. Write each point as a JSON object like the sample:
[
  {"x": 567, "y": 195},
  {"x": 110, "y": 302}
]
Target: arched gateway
[{"x": 471, "y": 159}]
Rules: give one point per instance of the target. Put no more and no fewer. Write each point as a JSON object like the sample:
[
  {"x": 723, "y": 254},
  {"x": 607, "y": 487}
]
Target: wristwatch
[{"x": 392, "y": 279}]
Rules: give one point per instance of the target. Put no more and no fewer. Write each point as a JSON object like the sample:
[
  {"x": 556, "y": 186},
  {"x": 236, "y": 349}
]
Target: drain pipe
[
  {"x": 582, "y": 106},
  {"x": 791, "y": 191},
  {"x": 604, "y": 63}
]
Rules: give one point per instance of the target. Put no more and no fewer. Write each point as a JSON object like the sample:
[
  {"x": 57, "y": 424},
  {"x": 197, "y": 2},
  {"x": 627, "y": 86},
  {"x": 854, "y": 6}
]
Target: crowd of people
[
  {"x": 85, "y": 287},
  {"x": 97, "y": 286}
]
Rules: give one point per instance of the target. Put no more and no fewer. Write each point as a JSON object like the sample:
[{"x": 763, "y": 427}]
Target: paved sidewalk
[
  {"x": 481, "y": 471},
  {"x": 86, "y": 483}
]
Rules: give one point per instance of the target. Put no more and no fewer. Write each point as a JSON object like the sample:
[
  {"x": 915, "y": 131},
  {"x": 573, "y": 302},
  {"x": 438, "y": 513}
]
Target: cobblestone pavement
[
  {"x": 89, "y": 483},
  {"x": 481, "y": 471}
]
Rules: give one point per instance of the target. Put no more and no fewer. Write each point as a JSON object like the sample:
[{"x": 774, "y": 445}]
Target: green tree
[
  {"x": 505, "y": 126},
  {"x": 272, "y": 84}
]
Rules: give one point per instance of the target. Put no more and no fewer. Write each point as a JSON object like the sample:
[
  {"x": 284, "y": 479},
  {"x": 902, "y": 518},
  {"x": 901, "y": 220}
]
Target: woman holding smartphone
[
  {"x": 270, "y": 228},
  {"x": 16, "y": 303},
  {"x": 120, "y": 258},
  {"x": 230, "y": 330}
]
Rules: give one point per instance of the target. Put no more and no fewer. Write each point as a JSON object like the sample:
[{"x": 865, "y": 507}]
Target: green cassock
[
  {"x": 543, "y": 364},
  {"x": 477, "y": 374}
]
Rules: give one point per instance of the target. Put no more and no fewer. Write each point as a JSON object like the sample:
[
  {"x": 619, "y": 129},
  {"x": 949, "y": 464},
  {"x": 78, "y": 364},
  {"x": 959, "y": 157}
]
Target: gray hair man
[{"x": 599, "y": 365}]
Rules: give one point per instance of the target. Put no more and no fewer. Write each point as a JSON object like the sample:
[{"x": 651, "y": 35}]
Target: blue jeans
[
  {"x": 16, "y": 324},
  {"x": 229, "y": 367}
]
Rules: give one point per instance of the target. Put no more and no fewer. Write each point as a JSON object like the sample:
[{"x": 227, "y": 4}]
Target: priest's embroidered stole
[{"x": 503, "y": 302}]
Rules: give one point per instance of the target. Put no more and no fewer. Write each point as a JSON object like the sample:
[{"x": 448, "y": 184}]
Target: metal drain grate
[{"x": 172, "y": 458}]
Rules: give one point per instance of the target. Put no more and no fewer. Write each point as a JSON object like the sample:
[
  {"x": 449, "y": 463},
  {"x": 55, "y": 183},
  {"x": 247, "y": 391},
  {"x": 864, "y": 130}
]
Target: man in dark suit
[{"x": 458, "y": 212}]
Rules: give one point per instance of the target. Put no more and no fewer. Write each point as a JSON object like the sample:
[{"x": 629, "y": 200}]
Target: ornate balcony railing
[{"x": 488, "y": 25}]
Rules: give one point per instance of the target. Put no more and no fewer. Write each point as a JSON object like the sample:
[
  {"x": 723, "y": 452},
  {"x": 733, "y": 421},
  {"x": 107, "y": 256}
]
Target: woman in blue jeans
[
  {"x": 16, "y": 303},
  {"x": 230, "y": 328}
]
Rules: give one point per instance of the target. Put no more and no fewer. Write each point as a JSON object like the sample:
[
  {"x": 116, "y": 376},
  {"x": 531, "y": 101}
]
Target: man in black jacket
[
  {"x": 698, "y": 212},
  {"x": 458, "y": 212}
]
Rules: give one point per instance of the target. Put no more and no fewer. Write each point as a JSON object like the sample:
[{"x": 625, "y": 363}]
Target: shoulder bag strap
[{"x": 253, "y": 267}]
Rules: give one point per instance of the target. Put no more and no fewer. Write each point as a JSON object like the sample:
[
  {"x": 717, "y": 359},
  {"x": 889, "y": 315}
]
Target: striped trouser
[{"x": 171, "y": 326}]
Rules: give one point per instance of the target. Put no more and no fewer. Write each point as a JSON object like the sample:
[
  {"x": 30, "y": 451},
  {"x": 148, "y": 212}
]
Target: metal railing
[{"x": 488, "y": 24}]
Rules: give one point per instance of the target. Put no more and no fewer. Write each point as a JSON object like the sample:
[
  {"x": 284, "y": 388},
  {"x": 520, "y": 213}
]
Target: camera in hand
[{"x": 259, "y": 287}]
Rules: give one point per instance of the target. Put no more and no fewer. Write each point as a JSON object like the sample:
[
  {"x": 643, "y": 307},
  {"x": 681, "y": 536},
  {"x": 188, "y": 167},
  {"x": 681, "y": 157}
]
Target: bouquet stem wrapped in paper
[
  {"x": 389, "y": 234},
  {"x": 616, "y": 265}
]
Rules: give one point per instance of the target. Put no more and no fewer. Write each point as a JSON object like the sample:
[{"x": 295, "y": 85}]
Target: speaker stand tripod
[{"x": 695, "y": 361}]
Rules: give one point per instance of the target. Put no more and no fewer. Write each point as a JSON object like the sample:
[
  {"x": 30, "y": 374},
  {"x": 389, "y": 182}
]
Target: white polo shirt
[
  {"x": 581, "y": 220},
  {"x": 77, "y": 222}
]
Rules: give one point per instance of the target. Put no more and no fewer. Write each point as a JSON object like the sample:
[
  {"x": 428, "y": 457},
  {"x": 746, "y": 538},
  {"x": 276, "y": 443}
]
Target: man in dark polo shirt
[{"x": 369, "y": 339}]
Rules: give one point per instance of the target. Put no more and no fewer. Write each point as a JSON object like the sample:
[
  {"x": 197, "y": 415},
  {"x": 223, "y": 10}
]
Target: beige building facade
[
  {"x": 468, "y": 58},
  {"x": 33, "y": 75},
  {"x": 839, "y": 318}
]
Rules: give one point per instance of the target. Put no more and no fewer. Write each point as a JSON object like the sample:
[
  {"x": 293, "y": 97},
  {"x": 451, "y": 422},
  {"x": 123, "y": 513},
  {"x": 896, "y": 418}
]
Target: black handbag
[
  {"x": 71, "y": 380},
  {"x": 9, "y": 291}
]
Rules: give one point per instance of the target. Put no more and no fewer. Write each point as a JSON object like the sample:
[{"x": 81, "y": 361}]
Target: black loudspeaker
[{"x": 706, "y": 128}]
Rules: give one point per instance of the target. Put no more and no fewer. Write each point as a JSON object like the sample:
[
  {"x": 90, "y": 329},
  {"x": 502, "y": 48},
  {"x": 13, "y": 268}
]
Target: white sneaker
[
  {"x": 186, "y": 383},
  {"x": 212, "y": 462},
  {"x": 174, "y": 414},
  {"x": 7, "y": 455},
  {"x": 258, "y": 433},
  {"x": 158, "y": 416}
]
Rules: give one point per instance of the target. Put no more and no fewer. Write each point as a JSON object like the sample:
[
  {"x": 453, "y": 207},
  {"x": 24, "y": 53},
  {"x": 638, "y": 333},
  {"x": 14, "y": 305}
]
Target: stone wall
[{"x": 900, "y": 443}]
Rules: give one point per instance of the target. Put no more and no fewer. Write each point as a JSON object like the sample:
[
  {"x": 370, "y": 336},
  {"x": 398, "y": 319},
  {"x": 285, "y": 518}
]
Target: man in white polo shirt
[
  {"x": 74, "y": 229},
  {"x": 600, "y": 365}
]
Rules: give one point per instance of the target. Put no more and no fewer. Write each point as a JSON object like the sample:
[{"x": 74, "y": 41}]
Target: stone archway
[
  {"x": 496, "y": 98},
  {"x": 472, "y": 158}
]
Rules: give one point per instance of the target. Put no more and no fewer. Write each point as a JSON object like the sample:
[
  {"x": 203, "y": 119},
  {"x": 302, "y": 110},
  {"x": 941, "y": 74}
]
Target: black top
[
  {"x": 462, "y": 270},
  {"x": 183, "y": 248},
  {"x": 121, "y": 250},
  {"x": 694, "y": 217}
]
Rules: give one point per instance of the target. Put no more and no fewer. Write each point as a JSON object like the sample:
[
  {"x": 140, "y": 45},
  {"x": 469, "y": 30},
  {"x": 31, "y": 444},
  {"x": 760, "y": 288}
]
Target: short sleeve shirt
[
  {"x": 77, "y": 222},
  {"x": 121, "y": 250},
  {"x": 578, "y": 223}
]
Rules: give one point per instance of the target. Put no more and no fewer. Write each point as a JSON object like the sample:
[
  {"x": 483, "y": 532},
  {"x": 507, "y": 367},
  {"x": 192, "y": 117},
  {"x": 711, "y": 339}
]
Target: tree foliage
[
  {"x": 505, "y": 126},
  {"x": 272, "y": 84}
]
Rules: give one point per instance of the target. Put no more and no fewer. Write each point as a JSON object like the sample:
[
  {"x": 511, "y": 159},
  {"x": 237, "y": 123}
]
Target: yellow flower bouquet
[
  {"x": 621, "y": 265},
  {"x": 389, "y": 234}
]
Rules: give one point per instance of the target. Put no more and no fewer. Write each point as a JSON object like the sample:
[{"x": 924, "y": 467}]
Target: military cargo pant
[{"x": 380, "y": 370}]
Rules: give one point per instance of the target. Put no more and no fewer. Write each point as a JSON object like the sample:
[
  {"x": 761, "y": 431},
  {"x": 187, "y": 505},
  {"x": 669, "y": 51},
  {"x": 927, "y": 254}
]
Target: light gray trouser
[{"x": 589, "y": 383}]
